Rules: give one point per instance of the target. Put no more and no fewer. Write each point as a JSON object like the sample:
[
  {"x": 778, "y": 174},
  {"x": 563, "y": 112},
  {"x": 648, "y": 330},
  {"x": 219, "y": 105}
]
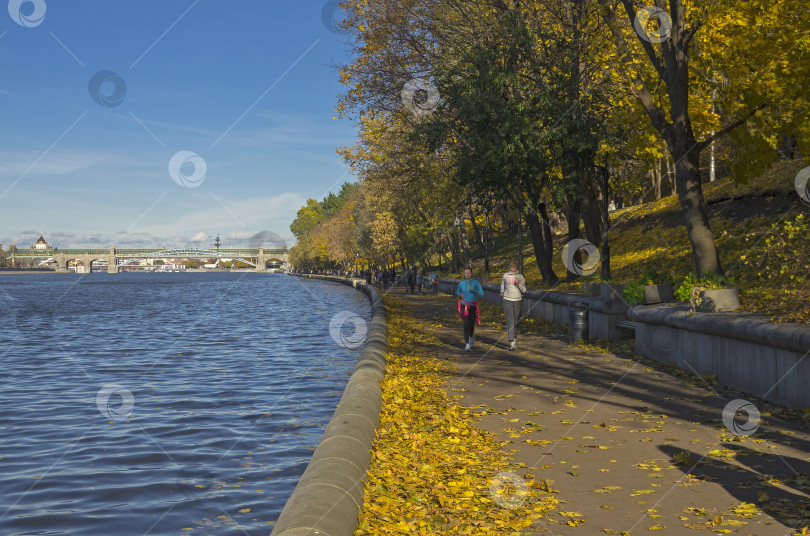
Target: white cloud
[
  {"x": 191, "y": 219},
  {"x": 240, "y": 235},
  {"x": 199, "y": 237},
  {"x": 53, "y": 163},
  {"x": 95, "y": 239}
]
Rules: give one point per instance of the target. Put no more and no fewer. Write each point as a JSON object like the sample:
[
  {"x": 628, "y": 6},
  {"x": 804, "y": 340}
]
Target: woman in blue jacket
[{"x": 468, "y": 292}]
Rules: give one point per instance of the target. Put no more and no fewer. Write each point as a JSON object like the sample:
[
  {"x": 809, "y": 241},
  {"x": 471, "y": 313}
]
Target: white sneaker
[
  {"x": 467, "y": 348},
  {"x": 471, "y": 342},
  {"x": 513, "y": 345}
]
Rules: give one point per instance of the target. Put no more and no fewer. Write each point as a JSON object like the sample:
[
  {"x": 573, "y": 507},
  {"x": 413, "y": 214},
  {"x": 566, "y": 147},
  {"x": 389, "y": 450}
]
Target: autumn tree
[
  {"x": 660, "y": 48},
  {"x": 400, "y": 178},
  {"x": 319, "y": 243},
  {"x": 533, "y": 95}
]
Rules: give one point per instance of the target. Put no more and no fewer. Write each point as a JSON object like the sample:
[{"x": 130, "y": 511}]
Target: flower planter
[
  {"x": 658, "y": 293},
  {"x": 612, "y": 292},
  {"x": 717, "y": 301}
]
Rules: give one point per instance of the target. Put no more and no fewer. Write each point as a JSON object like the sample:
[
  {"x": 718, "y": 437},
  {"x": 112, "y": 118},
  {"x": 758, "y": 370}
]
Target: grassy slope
[{"x": 742, "y": 216}]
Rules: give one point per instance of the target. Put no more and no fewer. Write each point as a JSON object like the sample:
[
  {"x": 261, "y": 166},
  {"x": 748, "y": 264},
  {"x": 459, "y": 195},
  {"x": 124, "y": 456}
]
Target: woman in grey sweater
[{"x": 513, "y": 286}]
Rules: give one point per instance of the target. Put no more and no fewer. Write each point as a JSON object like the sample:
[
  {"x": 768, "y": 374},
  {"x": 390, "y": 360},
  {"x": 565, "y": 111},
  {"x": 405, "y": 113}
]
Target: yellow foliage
[{"x": 432, "y": 469}]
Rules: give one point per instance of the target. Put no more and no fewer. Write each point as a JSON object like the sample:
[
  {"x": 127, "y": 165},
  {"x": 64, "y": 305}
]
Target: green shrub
[
  {"x": 634, "y": 293},
  {"x": 783, "y": 269},
  {"x": 689, "y": 290},
  {"x": 654, "y": 277},
  {"x": 684, "y": 291}
]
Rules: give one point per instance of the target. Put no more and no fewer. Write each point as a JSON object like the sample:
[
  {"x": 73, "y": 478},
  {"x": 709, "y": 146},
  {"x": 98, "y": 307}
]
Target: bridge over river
[{"x": 262, "y": 259}]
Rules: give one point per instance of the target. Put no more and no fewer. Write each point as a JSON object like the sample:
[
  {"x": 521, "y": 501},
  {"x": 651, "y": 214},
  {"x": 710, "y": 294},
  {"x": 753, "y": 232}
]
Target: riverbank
[
  {"x": 7, "y": 271},
  {"x": 624, "y": 443}
]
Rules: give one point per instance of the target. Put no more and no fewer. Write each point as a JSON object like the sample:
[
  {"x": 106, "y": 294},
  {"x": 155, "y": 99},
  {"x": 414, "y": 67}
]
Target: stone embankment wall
[{"x": 329, "y": 495}]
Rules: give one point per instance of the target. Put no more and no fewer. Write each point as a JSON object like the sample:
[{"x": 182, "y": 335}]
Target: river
[{"x": 135, "y": 404}]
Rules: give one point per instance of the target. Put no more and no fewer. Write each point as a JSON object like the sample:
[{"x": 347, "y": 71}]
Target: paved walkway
[{"x": 629, "y": 447}]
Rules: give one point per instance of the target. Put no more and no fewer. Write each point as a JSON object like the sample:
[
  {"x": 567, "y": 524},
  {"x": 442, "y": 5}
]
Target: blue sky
[{"x": 247, "y": 86}]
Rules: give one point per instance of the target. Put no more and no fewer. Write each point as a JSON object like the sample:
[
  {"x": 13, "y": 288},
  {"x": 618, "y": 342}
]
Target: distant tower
[
  {"x": 41, "y": 243},
  {"x": 217, "y": 243}
]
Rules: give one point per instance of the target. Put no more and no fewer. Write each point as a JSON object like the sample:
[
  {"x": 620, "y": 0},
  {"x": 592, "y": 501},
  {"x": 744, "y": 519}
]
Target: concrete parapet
[
  {"x": 329, "y": 495},
  {"x": 746, "y": 352}
]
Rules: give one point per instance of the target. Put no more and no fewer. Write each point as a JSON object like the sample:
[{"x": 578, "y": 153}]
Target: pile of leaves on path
[{"x": 432, "y": 471}]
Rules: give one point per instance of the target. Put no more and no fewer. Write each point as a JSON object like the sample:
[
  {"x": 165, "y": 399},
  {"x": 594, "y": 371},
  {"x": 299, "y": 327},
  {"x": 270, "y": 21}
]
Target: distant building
[{"x": 41, "y": 243}]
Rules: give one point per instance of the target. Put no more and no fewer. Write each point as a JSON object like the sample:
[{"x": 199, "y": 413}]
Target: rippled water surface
[{"x": 152, "y": 403}]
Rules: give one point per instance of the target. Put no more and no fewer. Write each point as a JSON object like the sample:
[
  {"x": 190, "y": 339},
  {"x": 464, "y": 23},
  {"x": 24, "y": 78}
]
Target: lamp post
[{"x": 605, "y": 226}]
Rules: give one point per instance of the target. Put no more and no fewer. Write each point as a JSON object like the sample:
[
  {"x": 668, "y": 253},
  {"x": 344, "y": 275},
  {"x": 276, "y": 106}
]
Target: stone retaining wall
[
  {"x": 329, "y": 495},
  {"x": 747, "y": 352}
]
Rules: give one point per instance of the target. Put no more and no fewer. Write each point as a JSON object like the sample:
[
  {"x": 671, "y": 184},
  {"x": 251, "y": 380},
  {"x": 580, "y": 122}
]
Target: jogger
[
  {"x": 468, "y": 292},
  {"x": 512, "y": 310},
  {"x": 513, "y": 286}
]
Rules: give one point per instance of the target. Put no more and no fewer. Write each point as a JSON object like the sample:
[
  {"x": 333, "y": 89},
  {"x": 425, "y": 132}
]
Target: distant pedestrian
[
  {"x": 420, "y": 280},
  {"x": 385, "y": 277},
  {"x": 434, "y": 282},
  {"x": 411, "y": 280},
  {"x": 513, "y": 286},
  {"x": 468, "y": 292}
]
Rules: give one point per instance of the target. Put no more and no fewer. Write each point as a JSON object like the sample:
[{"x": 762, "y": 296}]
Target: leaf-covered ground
[
  {"x": 606, "y": 442},
  {"x": 432, "y": 471}
]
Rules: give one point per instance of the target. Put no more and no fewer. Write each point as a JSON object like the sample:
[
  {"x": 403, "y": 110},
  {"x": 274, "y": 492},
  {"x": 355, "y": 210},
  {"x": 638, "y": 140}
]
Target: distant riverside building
[{"x": 41, "y": 243}]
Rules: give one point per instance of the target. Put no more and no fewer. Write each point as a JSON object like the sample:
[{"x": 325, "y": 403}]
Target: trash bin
[{"x": 577, "y": 322}]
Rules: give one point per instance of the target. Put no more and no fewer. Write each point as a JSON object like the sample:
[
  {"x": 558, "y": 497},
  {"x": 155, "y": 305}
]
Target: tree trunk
[
  {"x": 476, "y": 232},
  {"x": 572, "y": 215},
  {"x": 465, "y": 244},
  {"x": 547, "y": 238},
  {"x": 690, "y": 195},
  {"x": 592, "y": 217},
  {"x": 442, "y": 255},
  {"x": 788, "y": 147},
  {"x": 453, "y": 251},
  {"x": 541, "y": 241},
  {"x": 670, "y": 176},
  {"x": 673, "y": 124}
]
